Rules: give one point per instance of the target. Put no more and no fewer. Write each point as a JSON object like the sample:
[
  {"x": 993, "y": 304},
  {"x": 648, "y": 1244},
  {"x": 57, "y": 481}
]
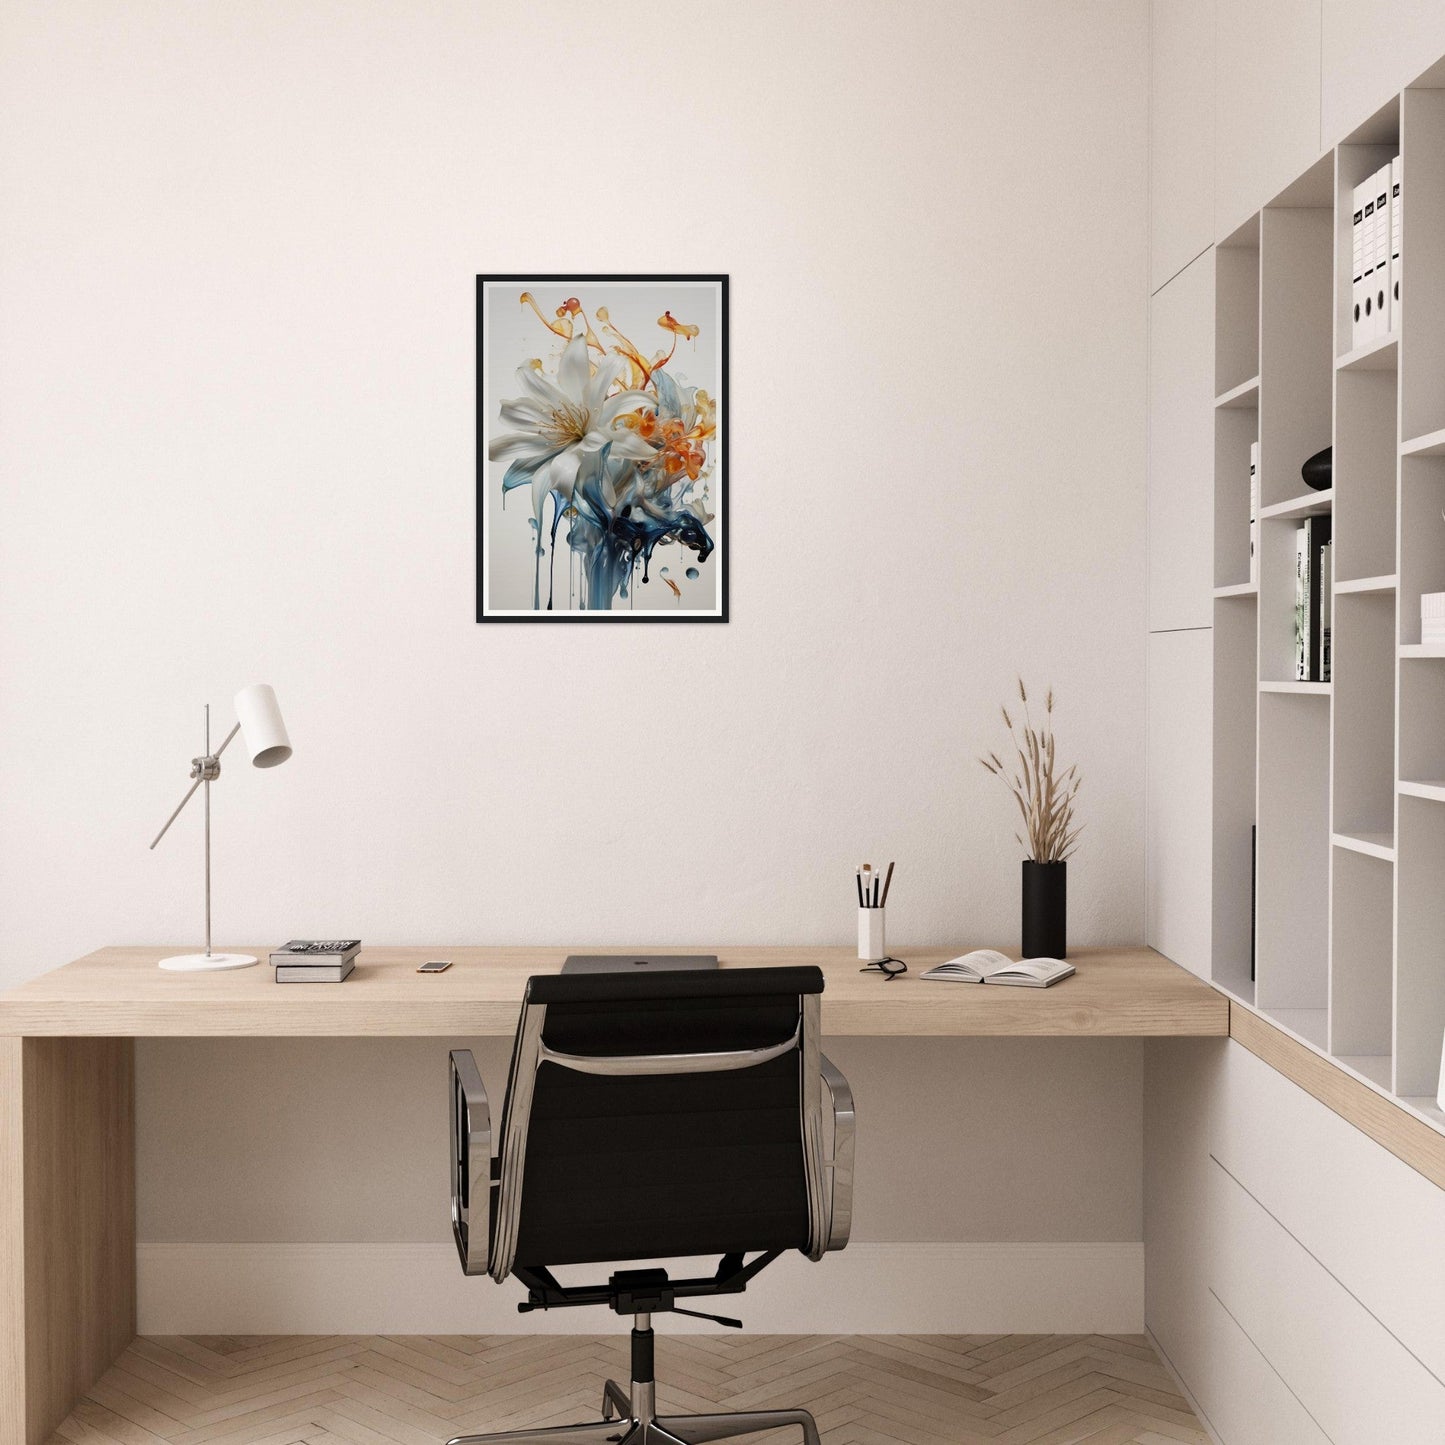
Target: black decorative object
[
  {"x": 1319, "y": 471},
  {"x": 1045, "y": 910}
]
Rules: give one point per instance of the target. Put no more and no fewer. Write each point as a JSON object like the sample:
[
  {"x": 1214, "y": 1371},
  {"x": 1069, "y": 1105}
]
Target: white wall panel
[
  {"x": 1178, "y": 814},
  {"x": 1181, "y": 134},
  {"x": 1369, "y": 50},
  {"x": 1181, "y": 449},
  {"x": 1267, "y": 102}
]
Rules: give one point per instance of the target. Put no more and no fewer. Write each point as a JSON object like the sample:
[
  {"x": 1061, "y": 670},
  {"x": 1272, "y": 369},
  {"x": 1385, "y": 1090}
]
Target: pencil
[{"x": 887, "y": 884}]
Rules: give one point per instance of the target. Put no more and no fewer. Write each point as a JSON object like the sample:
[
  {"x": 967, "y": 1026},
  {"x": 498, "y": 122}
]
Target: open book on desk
[{"x": 987, "y": 965}]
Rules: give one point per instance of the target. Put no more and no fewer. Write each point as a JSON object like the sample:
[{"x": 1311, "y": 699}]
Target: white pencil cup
[{"x": 871, "y": 944}]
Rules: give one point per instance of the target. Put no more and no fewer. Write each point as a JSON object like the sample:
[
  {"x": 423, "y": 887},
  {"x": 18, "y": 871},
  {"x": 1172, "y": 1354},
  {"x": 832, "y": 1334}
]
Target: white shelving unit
[{"x": 1337, "y": 789}]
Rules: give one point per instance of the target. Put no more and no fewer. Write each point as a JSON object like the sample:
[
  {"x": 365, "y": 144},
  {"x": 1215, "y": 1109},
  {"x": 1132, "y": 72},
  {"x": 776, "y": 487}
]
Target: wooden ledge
[{"x": 1389, "y": 1124}]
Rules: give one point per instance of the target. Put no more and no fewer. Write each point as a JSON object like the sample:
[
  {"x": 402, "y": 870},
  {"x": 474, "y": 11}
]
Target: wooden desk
[
  {"x": 119, "y": 992},
  {"x": 67, "y": 1185}
]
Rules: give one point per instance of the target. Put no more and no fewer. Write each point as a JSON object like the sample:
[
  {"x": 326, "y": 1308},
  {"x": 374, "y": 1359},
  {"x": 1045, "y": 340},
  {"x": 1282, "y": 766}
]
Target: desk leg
[{"x": 67, "y": 1224}]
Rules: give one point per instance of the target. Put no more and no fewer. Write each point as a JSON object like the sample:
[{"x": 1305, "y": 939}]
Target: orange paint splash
[{"x": 562, "y": 326}]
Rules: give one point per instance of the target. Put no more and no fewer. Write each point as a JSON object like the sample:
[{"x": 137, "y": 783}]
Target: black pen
[{"x": 858, "y": 879}]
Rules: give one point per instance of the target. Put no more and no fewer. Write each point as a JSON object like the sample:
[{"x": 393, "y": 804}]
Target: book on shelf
[
  {"x": 1301, "y": 605},
  {"x": 1311, "y": 610},
  {"x": 314, "y": 972},
  {"x": 1254, "y": 513},
  {"x": 988, "y": 965},
  {"x": 316, "y": 952},
  {"x": 1253, "y": 892},
  {"x": 1326, "y": 606}
]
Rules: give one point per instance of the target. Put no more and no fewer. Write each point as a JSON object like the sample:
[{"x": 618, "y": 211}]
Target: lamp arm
[
  {"x": 190, "y": 793},
  {"x": 199, "y": 772},
  {"x": 235, "y": 728}
]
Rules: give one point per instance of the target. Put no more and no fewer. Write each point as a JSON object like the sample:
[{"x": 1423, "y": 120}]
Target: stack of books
[
  {"x": 315, "y": 960},
  {"x": 1314, "y": 582}
]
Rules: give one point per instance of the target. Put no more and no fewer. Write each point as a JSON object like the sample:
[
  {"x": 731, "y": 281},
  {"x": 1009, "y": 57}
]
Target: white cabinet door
[
  {"x": 1370, "y": 49},
  {"x": 1181, "y": 450},
  {"x": 1178, "y": 812},
  {"x": 1181, "y": 135},
  {"x": 1266, "y": 103}
]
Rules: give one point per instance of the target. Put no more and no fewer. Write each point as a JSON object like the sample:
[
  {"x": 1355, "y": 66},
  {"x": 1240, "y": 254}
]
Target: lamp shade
[{"x": 262, "y": 730}]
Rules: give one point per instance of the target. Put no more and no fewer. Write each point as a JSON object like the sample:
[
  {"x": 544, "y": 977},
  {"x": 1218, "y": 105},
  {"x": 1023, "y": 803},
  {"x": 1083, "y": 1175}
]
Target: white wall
[
  {"x": 236, "y": 374},
  {"x": 238, "y": 368}
]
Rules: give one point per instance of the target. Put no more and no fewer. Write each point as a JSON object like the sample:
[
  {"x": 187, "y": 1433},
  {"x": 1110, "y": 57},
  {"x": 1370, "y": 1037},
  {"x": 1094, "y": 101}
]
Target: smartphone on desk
[{"x": 435, "y": 965}]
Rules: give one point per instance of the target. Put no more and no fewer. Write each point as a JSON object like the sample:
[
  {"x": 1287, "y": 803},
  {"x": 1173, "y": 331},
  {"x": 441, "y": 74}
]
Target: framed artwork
[{"x": 601, "y": 463}]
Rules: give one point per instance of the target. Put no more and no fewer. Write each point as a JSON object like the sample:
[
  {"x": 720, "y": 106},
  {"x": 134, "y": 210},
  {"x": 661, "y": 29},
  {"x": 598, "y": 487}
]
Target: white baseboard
[{"x": 350, "y": 1289}]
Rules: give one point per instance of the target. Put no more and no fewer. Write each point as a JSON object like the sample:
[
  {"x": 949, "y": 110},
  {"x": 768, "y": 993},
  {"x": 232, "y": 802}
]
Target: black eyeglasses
[{"x": 890, "y": 968}]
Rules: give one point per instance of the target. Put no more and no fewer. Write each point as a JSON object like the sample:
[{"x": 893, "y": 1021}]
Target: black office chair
[{"x": 647, "y": 1118}]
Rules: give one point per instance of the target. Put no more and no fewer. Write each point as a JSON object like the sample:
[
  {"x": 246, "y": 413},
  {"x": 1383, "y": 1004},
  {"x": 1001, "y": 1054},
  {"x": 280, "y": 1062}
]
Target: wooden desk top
[{"x": 1117, "y": 992}]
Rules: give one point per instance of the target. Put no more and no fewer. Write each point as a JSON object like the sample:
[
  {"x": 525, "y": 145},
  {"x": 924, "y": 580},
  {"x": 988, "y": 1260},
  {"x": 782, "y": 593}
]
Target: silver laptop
[{"x": 637, "y": 962}]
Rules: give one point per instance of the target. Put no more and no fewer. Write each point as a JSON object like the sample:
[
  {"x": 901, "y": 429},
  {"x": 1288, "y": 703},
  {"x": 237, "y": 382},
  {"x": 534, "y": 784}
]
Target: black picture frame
[{"x": 722, "y": 541}]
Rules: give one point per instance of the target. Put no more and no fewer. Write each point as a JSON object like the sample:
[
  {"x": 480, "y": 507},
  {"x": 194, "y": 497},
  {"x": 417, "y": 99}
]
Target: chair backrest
[{"x": 669, "y": 1114}]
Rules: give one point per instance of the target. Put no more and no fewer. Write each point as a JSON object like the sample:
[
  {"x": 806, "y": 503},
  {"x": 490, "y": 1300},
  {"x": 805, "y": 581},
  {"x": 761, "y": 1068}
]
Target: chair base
[{"x": 640, "y": 1426}]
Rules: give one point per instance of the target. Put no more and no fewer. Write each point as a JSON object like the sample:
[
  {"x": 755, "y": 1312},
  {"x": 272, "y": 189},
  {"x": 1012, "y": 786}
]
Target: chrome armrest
[
  {"x": 840, "y": 1166},
  {"x": 471, "y": 1163}
]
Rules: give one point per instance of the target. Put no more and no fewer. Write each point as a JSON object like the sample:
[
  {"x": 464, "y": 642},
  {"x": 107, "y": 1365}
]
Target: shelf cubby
[
  {"x": 1236, "y": 302},
  {"x": 1276, "y": 601},
  {"x": 1296, "y": 330},
  {"x": 1292, "y": 943},
  {"x": 1365, "y": 461},
  {"x": 1422, "y": 538},
  {"x": 1420, "y": 961},
  {"x": 1422, "y": 251},
  {"x": 1373, "y": 145},
  {"x": 1422, "y": 725},
  {"x": 1362, "y": 956},
  {"x": 1236, "y": 702},
  {"x": 1235, "y": 430},
  {"x": 1363, "y": 686}
]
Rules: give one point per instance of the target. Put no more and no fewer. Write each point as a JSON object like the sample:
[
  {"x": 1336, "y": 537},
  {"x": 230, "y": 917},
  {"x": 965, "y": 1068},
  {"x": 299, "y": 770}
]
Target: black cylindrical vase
[{"x": 1046, "y": 909}]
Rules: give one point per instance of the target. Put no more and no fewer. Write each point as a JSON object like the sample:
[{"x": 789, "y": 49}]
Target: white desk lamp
[{"x": 258, "y": 720}]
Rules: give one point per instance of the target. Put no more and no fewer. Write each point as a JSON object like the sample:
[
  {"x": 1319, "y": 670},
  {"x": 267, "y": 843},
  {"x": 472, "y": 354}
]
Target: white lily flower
[{"x": 558, "y": 424}]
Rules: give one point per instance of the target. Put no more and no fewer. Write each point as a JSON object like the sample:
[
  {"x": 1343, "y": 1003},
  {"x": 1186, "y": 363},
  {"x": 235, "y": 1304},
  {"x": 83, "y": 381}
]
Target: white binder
[
  {"x": 1367, "y": 324},
  {"x": 1254, "y": 513},
  {"x": 1357, "y": 266},
  {"x": 1382, "y": 251},
  {"x": 1396, "y": 224}
]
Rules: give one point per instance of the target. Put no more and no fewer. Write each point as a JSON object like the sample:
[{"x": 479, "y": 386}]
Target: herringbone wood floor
[{"x": 419, "y": 1390}]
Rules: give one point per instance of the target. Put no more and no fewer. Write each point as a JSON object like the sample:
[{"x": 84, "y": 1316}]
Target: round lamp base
[{"x": 206, "y": 962}]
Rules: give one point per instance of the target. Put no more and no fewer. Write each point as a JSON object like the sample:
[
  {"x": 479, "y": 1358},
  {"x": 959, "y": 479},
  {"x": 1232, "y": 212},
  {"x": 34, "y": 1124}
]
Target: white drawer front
[
  {"x": 1370, "y": 1220},
  {"x": 1358, "y": 1382},
  {"x": 1246, "y": 1402}
]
